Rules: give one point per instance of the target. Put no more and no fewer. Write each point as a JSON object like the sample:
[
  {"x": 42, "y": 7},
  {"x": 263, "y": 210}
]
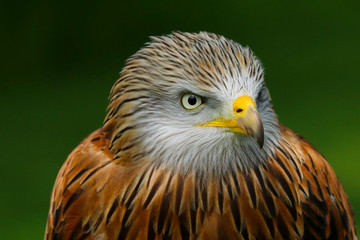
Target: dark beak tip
[
  {"x": 260, "y": 137},
  {"x": 260, "y": 141}
]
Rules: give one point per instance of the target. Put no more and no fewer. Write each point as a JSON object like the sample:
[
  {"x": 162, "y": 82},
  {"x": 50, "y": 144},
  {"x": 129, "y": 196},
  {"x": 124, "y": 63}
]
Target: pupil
[{"x": 192, "y": 100}]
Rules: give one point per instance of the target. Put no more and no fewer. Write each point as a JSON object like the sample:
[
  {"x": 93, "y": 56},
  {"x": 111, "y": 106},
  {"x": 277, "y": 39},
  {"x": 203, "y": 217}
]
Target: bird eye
[{"x": 190, "y": 101}]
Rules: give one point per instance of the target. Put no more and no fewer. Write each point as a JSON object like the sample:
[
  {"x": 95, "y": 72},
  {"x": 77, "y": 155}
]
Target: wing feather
[
  {"x": 325, "y": 206},
  {"x": 88, "y": 190}
]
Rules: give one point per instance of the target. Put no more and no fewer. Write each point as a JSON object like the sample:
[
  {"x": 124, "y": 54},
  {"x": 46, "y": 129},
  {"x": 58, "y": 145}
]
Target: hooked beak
[{"x": 246, "y": 120}]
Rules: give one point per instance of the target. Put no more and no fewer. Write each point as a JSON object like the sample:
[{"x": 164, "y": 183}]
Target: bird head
[{"x": 193, "y": 102}]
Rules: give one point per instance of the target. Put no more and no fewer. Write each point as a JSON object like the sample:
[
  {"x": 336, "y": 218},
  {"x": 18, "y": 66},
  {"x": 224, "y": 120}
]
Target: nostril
[{"x": 239, "y": 110}]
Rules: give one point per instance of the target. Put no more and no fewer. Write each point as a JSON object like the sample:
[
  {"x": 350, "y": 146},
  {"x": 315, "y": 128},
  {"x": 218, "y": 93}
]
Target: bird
[{"x": 191, "y": 148}]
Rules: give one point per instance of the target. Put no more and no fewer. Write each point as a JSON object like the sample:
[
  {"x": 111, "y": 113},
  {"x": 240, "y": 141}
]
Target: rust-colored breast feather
[{"x": 295, "y": 195}]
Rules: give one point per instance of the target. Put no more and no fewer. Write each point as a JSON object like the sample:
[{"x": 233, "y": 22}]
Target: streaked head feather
[{"x": 144, "y": 109}]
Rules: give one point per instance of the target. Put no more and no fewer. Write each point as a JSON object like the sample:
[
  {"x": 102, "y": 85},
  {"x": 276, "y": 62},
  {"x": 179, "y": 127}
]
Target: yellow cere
[
  {"x": 222, "y": 122},
  {"x": 241, "y": 104}
]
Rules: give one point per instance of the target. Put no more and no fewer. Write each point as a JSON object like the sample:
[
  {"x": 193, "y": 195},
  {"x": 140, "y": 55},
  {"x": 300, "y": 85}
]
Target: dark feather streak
[{"x": 72, "y": 199}]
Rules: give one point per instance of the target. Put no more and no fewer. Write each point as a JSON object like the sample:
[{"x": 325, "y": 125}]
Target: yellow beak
[{"x": 246, "y": 120}]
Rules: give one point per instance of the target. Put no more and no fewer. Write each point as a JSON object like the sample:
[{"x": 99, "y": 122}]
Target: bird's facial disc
[{"x": 245, "y": 120}]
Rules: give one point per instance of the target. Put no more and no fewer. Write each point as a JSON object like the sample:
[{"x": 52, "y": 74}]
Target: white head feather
[{"x": 211, "y": 66}]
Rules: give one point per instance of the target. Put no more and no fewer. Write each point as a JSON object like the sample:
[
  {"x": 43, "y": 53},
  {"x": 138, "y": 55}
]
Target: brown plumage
[{"x": 118, "y": 185}]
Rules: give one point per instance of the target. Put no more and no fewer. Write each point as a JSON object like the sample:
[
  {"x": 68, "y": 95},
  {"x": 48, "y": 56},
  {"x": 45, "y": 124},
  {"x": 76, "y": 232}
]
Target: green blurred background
[{"x": 59, "y": 60}]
